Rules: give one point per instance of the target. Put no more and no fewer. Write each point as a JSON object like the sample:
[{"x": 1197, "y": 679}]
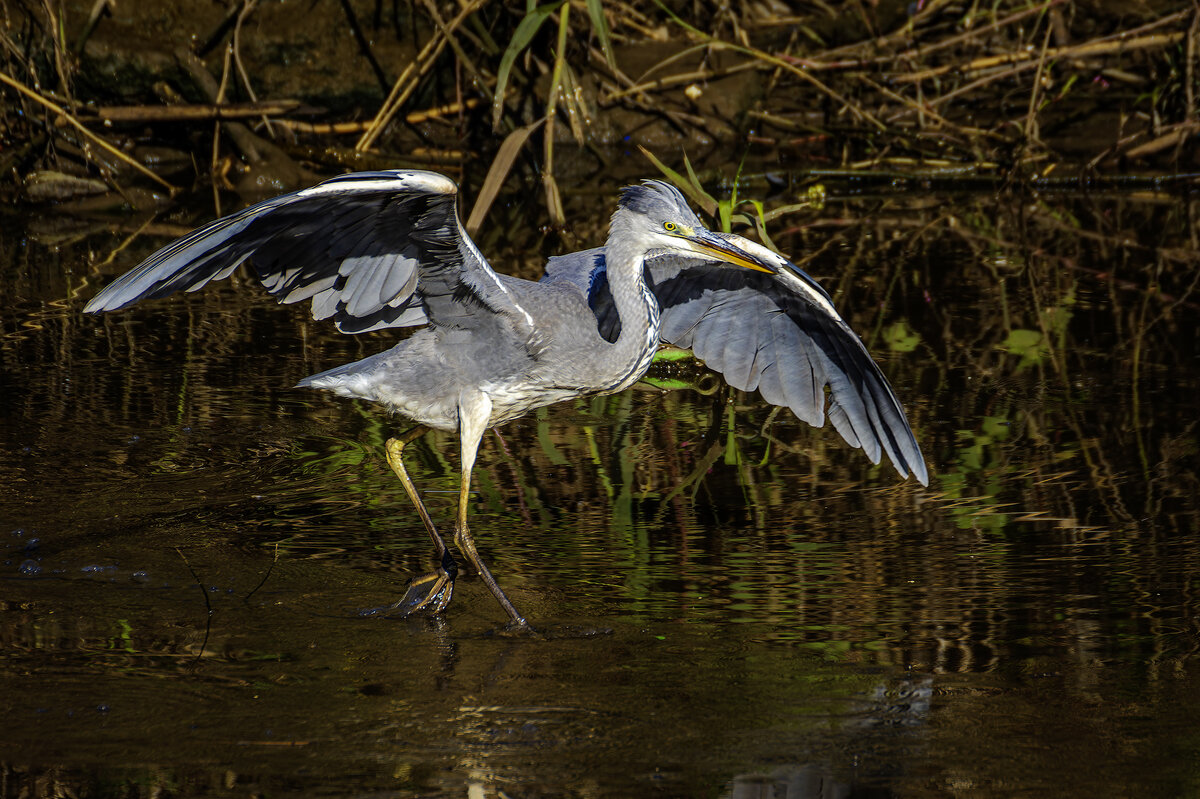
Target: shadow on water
[{"x": 733, "y": 604}]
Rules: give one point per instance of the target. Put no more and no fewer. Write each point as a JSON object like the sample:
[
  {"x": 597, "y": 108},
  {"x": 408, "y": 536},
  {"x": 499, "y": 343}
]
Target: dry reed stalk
[
  {"x": 767, "y": 58},
  {"x": 1036, "y": 90},
  {"x": 506, "y": 156},
  {"x": 343, "y": 128},
  {"x": 553, "y": 197},
  {"x": 481, "y": 81},
  {"x": 406, "y": 84},
  {"x": 976, "y": 34},
  {"x": 87, "y": 134},
  {"x": 243, "y": 139},
  {"x": 364, "y": 45},
  {"x": 1170, "y": 137},
  {"x": 99, "y": 9},
  {"x": 681, "y": 55},
  {"x": 1107, "y": 46},
  {"x": 1189, "y": 77},
  {"x": 921, "y": 108},
  {"x": 190, "y": 112},
  {"x": 681, "y": 79},
  {"x": 214, "y": 172}
]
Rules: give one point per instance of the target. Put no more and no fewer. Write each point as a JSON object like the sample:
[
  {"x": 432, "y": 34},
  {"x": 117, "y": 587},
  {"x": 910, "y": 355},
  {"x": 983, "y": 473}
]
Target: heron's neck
[{"x": 636, "y": 305}]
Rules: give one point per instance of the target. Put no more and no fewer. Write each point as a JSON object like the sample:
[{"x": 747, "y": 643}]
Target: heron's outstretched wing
[
  {"x": 760, "y": 333},
  {"x": 370, "y": 249}
]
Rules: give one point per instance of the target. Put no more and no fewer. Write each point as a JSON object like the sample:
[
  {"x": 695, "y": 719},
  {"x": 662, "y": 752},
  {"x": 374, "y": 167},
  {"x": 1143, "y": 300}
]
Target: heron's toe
[{"x": 429, "y": 593}]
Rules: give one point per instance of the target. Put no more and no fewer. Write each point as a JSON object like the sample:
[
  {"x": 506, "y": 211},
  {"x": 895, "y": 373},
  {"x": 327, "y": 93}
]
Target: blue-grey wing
[
  {"x": 369, "y": 249},
  {"x": 762, "y": 335}
]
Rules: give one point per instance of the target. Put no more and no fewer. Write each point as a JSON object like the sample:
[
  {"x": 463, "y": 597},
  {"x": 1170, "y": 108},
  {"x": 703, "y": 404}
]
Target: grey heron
[{"x": 386, "y": 249}]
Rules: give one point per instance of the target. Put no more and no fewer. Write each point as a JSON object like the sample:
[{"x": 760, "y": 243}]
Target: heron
[{"x": 387, "y": 249}]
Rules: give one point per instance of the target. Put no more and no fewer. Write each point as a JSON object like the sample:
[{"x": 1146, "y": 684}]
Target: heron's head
[{"x": 654, "y": 218}]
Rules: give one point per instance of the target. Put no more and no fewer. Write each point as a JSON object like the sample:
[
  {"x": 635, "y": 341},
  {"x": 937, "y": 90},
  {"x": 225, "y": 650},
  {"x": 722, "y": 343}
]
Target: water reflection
[{"x": 783, "y": 617}]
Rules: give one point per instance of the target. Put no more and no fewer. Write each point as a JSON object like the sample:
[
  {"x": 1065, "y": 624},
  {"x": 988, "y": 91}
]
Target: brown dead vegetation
[{"x": 259, "y": 98}]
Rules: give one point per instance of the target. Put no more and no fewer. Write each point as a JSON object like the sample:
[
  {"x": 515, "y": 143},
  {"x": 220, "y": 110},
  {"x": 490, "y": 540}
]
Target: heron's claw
[{"x": 429, "y": 593}]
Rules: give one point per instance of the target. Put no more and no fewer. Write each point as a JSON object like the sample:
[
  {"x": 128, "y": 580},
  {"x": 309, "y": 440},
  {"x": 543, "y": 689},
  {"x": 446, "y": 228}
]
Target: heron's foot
[
  {"x": 428, "y": 593},
  {"x": 463, "y": 548},
  {"x": 521, "y": 628}
]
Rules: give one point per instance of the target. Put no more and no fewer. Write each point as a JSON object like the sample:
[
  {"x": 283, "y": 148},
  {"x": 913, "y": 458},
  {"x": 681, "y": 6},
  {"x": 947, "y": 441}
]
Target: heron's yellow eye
[{"x": 669, "y": 227}]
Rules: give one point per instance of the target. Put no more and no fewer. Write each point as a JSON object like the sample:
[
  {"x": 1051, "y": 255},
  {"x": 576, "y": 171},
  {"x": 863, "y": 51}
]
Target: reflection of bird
[{"x": 386, "y": 249}]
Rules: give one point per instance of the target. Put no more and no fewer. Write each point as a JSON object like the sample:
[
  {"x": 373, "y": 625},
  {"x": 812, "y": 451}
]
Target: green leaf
[
  {"x": 725, "y": 211},
  {"x": 996, "y": 428},
  {"x": 899, "y": 337},
  {"x": 674, "y": 176},
  {"x": 709, "y": 201},
  {"x": 673, "y": 354},
  {"x": 1028, "y": 344},
  {"x": 697, "y": 195},
  {"x": 760, "y": 224},
  {"x": 523, "y": 35},
  {"x": 667, "y": 384},
  {"x": 595, "y": 10}
]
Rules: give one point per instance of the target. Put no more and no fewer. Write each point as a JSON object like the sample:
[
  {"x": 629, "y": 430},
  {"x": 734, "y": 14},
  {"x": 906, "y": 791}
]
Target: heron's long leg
[
  {"x": 474, "y": 410},
  {"x": 431, "y": 591},
  {"x": 394, "y": 449}
]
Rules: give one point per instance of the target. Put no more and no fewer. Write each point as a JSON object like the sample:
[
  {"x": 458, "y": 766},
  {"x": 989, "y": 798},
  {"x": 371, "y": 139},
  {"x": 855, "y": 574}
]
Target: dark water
[{"x": 732, "y": 604}]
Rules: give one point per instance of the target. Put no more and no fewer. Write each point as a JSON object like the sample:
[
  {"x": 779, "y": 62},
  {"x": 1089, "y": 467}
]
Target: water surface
[{"x": 732, "y": 603}]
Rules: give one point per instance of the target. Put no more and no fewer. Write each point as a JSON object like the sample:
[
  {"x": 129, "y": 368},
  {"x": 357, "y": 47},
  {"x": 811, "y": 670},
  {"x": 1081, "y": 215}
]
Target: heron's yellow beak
[{"x": 736, "y": 250}]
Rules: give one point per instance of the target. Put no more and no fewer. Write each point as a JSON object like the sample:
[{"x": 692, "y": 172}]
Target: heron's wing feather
[
  {"x": 585, "y": 272},
  {"x": 579, "y": 269},
  {"x": 762, "y": 334},
  {"x": 370, "y": 249}
]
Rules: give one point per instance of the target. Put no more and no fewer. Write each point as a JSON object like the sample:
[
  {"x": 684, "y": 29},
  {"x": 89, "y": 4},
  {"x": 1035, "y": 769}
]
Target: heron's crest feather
[{"x": 658, "y": 201}]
